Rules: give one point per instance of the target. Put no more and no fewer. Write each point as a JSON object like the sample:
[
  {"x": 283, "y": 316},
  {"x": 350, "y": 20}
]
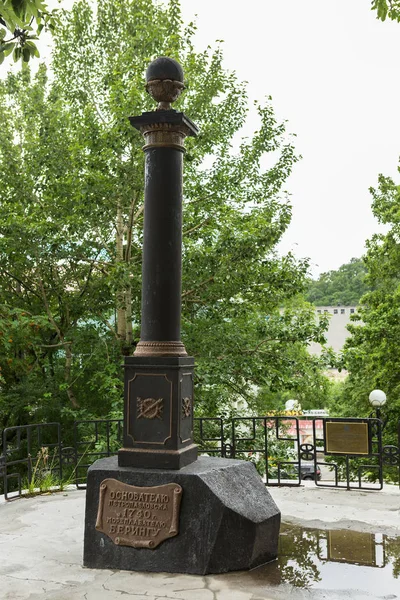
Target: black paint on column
[{"x": 162, "y": 243}]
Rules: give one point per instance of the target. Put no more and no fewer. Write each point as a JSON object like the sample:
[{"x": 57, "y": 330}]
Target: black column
[{"x": 162, "y": 242}]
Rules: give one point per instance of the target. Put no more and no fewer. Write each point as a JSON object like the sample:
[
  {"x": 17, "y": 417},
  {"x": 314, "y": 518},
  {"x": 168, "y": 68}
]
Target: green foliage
[
  {"x": 342, "y": 287},
  {"x": 257, "y": 359},
  {"x": 21, "y": 22},
  {"x": 372, "y": 353},
  {"x": 71, "y": 218},
  {"x": 335, "y": 403},
  {"x": 386, "y": 8}
]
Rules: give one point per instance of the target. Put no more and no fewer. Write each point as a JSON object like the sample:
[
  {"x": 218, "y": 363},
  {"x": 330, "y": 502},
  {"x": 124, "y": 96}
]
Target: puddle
[{"x": 336, "y": 561}]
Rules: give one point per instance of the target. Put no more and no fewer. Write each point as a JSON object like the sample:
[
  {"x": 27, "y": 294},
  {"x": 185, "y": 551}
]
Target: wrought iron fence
[
  {"x": 286, "y": 451},
  {"x": 31, "y": 454},
  {"x": 94, "y": 440}
]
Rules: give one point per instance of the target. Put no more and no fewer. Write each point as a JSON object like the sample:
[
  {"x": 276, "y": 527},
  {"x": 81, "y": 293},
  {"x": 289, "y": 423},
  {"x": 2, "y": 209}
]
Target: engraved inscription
[
  {"x": 140, "y": 517},
  {"x": 149, "y": 408}
]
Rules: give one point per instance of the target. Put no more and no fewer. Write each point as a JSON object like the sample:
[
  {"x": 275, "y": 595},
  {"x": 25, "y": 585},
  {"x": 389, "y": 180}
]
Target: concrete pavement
[
  {"x": 41, "y": 551},
  {"x": 369, "y": 511}
]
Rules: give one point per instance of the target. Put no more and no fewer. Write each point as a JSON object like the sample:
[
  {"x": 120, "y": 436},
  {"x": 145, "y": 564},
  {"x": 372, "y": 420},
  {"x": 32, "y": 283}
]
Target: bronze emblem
[
  {"x": 186, "y": 407},
  {"x": 149, "y": 408},
  {"x": 140, "y": 517}
]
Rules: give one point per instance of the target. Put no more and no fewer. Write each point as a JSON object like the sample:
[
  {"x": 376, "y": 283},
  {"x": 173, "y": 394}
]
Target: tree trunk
[
  {"x": 120, "y": 296},
  {"x": 128, "y": 315},
  {"x": 67, "y": 375}
]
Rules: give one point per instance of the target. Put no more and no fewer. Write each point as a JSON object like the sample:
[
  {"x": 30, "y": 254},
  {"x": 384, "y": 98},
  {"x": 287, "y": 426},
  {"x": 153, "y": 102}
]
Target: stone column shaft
[
  {"x": 162, "y": 243},
  {"x": 164, "y": 132}
]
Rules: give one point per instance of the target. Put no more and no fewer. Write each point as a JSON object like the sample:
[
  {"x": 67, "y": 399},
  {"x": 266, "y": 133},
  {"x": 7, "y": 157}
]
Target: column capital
[{"x": 164, "y": 129}]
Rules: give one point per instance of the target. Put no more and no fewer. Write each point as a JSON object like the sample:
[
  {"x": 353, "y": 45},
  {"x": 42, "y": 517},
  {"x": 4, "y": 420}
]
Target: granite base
[{"x": 228, "y": 520}]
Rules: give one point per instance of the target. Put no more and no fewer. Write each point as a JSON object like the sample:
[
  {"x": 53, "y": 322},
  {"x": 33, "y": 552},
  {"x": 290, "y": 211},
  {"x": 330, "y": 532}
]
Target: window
[
  {"x": 325, "y": 311},
  {"x": 342, "y": 311},
  {"x": 352, "y": 311},
  {"x": 335, "y": 311},
  {"x": 318, "y": 311}
]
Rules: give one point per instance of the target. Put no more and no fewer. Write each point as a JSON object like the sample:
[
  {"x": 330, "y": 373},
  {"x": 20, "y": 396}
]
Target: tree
[
  {"x": 51, "y": 269},
  {"x": 372, "y": 353},
  {"x": 387, "y": 8},
  {"x": 22, "y": 22},
  {"x": 72, "y": 187},
  {"x": 342, "y": 287}
]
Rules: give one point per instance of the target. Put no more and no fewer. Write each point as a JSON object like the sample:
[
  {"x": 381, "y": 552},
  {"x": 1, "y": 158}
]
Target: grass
[{"x": 45, "y": 473}]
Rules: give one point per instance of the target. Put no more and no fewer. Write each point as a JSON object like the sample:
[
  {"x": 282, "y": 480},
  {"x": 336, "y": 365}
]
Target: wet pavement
[
  {"x": 336, "y": 560},
  {"x": 334, "y": 545}
]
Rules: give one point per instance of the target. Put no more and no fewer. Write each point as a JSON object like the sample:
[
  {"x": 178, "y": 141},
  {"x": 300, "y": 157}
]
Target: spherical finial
[
  {"x": 164, "y": 68},
  {"x": 164, "y": 77}
]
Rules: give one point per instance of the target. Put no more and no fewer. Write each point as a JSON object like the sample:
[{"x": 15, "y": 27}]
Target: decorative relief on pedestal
[
  {"x": 186, "y": 417},
  {"x": 186, "y": 407},
  {"x": 150, "y": 408},
  {"x": 140, "y": 517}
]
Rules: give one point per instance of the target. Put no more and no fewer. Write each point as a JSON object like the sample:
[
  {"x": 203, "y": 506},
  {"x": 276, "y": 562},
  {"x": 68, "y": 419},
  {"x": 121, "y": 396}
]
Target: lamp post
[{"x": 377, "y": 399}]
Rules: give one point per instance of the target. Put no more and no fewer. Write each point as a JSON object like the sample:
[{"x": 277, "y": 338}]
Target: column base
[
  {"x": 160, "y": 349},
  {"x": 157, "y": 459}
]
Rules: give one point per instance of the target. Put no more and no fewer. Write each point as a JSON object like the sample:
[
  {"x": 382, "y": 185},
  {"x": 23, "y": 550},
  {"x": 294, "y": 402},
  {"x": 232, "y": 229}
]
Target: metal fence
[{"x": 286, "y": 451}]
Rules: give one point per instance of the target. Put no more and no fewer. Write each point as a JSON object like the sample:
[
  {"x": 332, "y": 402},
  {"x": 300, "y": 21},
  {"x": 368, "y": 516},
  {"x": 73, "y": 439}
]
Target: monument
[{"x": 157, "y": 506}]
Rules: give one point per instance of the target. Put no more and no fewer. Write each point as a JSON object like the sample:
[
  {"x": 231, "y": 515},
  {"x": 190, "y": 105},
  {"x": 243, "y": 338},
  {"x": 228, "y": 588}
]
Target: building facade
[{"x": 337, "y": 331}]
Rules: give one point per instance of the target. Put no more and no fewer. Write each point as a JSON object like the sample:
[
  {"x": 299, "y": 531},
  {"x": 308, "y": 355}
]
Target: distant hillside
[{"x": 344, "y": 286}]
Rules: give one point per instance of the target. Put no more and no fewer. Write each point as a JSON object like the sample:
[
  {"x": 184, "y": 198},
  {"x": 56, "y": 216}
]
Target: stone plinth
[
  {"x": 158, "y": 413},
  {"x": 228, "y": 520}
]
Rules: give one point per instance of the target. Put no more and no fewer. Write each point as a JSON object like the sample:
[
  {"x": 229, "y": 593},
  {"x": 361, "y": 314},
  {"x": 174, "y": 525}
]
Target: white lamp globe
[
  {"x": 377, "y": 398},
  {"x": 292, "y": 405}
]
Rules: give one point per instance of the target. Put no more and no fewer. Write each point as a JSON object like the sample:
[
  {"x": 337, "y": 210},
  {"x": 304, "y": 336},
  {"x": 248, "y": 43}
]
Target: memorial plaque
[
  {"x": 141, "y": 517},
  {"x": 347, "y": 438}
]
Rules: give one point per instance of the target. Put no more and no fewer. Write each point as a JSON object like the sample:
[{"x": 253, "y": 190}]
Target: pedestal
[
  {"x": 227, "y": 519},
  {"x": 158, "y": 419}
]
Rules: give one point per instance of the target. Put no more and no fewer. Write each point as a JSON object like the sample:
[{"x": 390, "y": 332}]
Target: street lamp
[{"x": 377, "y": 399}]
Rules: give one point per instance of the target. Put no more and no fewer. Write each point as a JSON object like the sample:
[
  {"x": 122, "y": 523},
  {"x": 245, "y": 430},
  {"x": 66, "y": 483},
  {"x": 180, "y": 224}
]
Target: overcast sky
[{"x": 333, "y": 73}]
